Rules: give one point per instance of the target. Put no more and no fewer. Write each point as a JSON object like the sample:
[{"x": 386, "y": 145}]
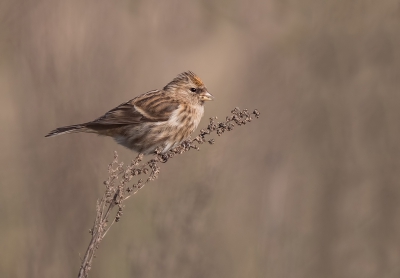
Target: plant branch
[{"x": 117, "y": 192}]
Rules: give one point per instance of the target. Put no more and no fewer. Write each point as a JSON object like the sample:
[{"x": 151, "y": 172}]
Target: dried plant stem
[
  {"x": 116, "y": 193},
  {"x": 98, "y": 232}
]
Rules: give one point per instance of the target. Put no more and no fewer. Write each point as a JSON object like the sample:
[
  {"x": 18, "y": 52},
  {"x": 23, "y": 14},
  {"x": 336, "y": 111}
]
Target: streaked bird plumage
[{"x": 163, "y": 117}]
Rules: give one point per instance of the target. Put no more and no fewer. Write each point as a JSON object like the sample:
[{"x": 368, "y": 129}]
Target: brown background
[{"x": 311, "y": 189}]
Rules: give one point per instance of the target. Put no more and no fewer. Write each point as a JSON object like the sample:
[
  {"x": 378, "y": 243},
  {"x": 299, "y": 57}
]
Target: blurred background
[{"x": 311, "y": 189}]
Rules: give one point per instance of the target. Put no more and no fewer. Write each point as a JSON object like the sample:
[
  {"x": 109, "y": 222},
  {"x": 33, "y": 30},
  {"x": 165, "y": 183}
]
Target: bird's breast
[{"x": 186, "y": 116}]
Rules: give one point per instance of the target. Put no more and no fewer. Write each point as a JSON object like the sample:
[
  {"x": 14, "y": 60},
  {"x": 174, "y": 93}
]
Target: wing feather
[{"x": 154, "y": 106}]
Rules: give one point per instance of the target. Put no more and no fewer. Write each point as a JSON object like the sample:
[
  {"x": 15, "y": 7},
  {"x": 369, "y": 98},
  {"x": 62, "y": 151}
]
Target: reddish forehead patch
[
  {"x": 186, "y": 77},
  {"x": 197, "y": 81}
]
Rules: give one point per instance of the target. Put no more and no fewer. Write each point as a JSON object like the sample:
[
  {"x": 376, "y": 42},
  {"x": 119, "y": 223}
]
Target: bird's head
[{"x": 190, "y": 85}]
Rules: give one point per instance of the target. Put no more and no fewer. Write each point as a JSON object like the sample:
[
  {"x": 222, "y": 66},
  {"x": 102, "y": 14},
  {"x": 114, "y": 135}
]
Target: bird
[{"x": 159, "y": 118}]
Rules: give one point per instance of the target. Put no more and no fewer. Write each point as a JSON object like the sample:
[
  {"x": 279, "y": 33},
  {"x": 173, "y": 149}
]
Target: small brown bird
[{"x": 157, "y": 118}]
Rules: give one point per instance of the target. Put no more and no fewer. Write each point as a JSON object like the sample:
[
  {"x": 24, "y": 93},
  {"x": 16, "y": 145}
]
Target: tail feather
[{"x": 67, "y": 129}]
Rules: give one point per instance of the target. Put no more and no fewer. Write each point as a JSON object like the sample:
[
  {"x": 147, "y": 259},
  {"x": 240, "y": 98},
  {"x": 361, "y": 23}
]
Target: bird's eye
[{"x": 193, "y": 90}]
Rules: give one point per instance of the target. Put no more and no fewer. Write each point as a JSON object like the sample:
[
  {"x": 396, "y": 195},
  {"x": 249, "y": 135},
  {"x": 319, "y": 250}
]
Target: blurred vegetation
[{"x": 311, "y": 190}]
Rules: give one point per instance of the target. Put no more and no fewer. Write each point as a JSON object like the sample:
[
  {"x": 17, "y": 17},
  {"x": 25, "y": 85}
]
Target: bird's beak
[{"x": 206, "y": 96}]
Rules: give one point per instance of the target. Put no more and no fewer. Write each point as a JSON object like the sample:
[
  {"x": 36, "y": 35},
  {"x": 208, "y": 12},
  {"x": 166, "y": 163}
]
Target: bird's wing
[{"x": 154, "y": 106}]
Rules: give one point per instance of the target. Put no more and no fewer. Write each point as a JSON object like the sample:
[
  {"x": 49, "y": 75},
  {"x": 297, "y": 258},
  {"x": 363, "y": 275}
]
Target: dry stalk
[{"x": 117, "y": 192}]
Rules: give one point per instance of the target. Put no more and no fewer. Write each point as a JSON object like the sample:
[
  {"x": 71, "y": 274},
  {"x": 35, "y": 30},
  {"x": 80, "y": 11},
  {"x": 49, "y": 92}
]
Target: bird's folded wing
[{"x": 153, "y": 106}]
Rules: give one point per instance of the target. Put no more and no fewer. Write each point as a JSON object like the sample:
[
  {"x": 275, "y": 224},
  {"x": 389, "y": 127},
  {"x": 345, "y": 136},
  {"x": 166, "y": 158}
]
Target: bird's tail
[{"x": 68, "y": 129}]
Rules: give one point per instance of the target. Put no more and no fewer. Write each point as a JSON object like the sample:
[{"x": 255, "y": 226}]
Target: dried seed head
[{"x": 256, "y": 113}]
